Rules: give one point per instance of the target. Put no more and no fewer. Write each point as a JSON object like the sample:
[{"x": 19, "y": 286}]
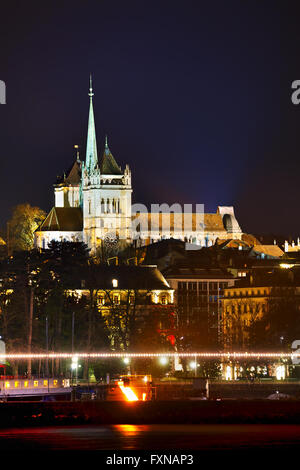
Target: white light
[
  {"x": 126, "y": 360},
  {"x": 163, "y": 361},
  {"x": 280, "y": 372},
  {"x": 228, "y": 373},
  {"x": 96, "y": 355},
  {"x": 193, "y": 365},
  {"x": 115, "y": 282},
  {"x": 74, "y": 364}
]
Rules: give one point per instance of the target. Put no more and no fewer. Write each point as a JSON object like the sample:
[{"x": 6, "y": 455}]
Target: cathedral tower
[{"x": 106, "y": 192}]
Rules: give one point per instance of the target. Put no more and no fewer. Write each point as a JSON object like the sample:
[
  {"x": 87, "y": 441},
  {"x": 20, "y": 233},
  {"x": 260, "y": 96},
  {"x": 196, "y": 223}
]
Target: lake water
[{"x": 198, "y": 437}]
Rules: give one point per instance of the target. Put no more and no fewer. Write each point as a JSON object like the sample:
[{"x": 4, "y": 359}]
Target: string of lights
[{"x": 122, "y": 355}]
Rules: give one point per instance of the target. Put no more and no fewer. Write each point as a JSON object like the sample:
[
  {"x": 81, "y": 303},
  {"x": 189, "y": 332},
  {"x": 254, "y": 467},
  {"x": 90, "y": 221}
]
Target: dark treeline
[{"x": 55, "y": 290}]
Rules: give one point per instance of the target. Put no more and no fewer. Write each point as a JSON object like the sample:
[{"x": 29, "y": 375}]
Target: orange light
[{"x": 128, "y": 392}]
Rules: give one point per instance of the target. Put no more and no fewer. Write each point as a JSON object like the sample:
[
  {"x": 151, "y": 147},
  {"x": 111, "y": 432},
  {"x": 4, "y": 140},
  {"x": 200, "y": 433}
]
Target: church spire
[{"x": 91, "y": 145}]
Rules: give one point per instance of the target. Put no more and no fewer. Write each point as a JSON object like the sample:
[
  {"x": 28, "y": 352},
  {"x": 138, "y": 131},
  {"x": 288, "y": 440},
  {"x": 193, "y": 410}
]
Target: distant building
[
  {"x": 93, "y": 204},
  {"x": 198, "y": 295},
  {"x": 240, "y": 307},
  {"x": 292, "y": 247},
  {"x": 266, "y": 252},
  {"x": 130, "y": 293},
  {"x": 266, "y": 287}
]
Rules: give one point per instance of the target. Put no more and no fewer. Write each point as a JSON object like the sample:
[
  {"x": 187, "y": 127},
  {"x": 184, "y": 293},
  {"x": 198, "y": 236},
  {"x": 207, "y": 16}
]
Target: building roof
[
  {"x": 189, "y": 272},
  {"x": 74, "y": 174},
  {"x": 269, "y": 250},
  {"x": 108, "y": 165},
  {"x": 231, "y": 243},
  {"x": 177, "y": 222},
  {"x": 72, "y": 177},
  {"x": 64, "y": 219},
  {"x": 91, "y": 159},
  {"x": 129, "y": 277}
]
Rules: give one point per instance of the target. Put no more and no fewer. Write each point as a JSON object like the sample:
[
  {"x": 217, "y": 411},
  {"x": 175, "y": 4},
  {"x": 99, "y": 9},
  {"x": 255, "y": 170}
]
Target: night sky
[{"x": 195, "y": 96}]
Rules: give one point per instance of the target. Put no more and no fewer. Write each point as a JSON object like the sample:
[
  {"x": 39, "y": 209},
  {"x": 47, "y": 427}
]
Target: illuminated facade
[
  {"x": 93, "y": 204},
  {"x": 124, "y": 294},
  {"x": 198, "y": 295},
  {"x": 240, "y": 307}
]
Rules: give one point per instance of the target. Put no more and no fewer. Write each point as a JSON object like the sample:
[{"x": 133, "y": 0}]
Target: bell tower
[{"x": 106, "y": 192}]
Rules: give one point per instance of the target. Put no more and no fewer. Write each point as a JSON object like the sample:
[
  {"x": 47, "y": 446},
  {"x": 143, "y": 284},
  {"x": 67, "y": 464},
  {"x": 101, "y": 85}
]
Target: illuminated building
[
  {"x": 129, "y": 292},
  {"x": 93, "y": 203},
  {"x": 240, "y": 307},
  {"x": 266, "y": 290},
  {"x": 198, "y": 294}
]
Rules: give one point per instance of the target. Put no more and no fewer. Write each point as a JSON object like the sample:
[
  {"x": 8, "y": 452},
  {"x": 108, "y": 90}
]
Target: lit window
[
  {"x": 26, "y": 383},
  {"x": 7, "y": 384},
  {"x": 54, "y": 383},
  {"x": 16, "y": 384},
  {"x": 116, "y": 299},
  {"x": 101, "y": 299},
  {"x": 45, "y": 383},
  {"x": 115, "y": 282},
  {"x": 164, "y": 300},
  {"x": 36, "y": 383}
]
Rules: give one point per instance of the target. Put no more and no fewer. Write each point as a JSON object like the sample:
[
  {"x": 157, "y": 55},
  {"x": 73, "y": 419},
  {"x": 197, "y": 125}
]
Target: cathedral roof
[
  {"x": 195, "y": 222},
  {"x": 108, "y": 165},
  {"x": 64, "y": 219},
  {"x": 73, "y": 175},
  {"x": 91, "y": 143}
]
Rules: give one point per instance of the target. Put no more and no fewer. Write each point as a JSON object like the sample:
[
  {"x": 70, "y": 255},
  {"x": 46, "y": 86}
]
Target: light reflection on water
[{"x": 129, "y": 437}]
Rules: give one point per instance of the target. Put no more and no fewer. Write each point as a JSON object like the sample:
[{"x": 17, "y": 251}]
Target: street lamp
[
  {"x": 193, "y": 365},
  {"x": 74, "y": 366},
  {"x": 163, "y": 361}
]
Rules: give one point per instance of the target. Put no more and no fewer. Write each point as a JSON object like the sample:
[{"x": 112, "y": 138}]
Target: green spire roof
[
  {"x": 108, "y": 165},
  {"x": 91, "y": 145}
]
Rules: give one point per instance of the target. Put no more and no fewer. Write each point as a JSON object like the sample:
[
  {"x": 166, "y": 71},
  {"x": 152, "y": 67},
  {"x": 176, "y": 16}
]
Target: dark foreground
[
  {"x": 249, "y": 427},
  {"x": 198, "y": 437},
  {"x": 26, "y": 414}
]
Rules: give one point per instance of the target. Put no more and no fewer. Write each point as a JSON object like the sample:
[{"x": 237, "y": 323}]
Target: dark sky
[{"x": 194, "y": 95}]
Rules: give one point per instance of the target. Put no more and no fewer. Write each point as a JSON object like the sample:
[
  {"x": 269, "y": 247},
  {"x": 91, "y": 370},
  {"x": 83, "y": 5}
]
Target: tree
[{"x": 25, "y": 220}]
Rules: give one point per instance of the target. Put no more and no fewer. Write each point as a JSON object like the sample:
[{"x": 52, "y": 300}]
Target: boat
[{"x": 14, "y": 388}]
